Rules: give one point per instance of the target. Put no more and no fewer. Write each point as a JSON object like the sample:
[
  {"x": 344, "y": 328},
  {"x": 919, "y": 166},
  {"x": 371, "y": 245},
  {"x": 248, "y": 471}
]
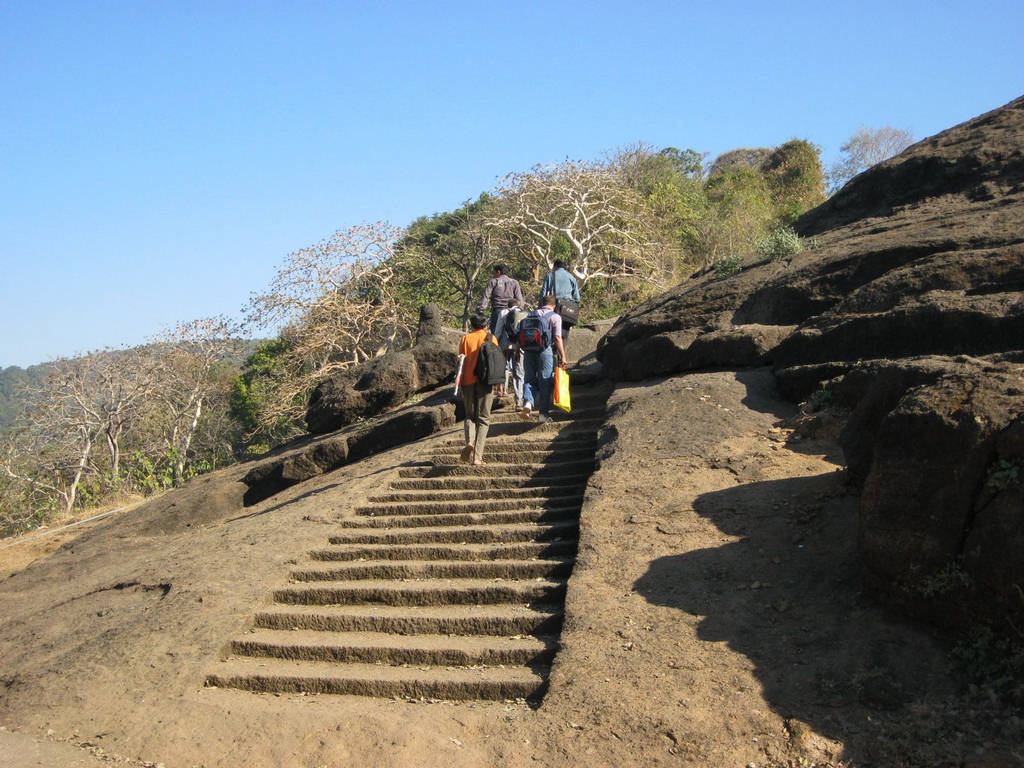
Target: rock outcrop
[
  {"x": 907, "y": 312},
  {"x": 317, "y": 456},
  {"x": 386, "y": 382}
]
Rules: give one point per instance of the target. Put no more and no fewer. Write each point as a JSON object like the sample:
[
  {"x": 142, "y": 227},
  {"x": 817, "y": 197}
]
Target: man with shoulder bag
[{"x": 561, "y": 284}]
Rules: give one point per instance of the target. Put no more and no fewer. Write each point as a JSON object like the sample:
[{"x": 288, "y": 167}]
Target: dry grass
[{"x": 19, "y": 551}]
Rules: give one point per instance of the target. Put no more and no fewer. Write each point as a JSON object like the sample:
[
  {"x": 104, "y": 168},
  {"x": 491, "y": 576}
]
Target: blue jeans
[{"x": 539, "y": 378}]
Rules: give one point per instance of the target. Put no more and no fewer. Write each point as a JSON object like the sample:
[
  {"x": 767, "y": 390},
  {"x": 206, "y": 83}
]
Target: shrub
[
  {"x": 779, "y": 244},
  {"x": 819, "y": 400},
  {"x": 728, "y": 265}
]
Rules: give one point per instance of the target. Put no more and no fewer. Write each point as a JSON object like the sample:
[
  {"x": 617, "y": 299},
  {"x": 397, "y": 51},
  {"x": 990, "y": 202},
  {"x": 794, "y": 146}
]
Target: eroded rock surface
[
  {"x": 906, "y": 315},
  {"x": 317, "y": 456},
  {"x": 386, "y": 382}
]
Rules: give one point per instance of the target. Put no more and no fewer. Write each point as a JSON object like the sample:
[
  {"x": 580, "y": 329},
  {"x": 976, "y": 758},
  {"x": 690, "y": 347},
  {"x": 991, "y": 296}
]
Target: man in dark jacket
[{"x": 502, "y": 292}]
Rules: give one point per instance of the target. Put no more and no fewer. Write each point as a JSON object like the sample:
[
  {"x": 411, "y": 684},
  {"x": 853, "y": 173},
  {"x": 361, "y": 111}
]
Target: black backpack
[{"x": 490, "y": 363}]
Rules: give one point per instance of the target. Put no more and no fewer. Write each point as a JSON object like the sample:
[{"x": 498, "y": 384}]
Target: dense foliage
[{"x": 13, "y": 382}]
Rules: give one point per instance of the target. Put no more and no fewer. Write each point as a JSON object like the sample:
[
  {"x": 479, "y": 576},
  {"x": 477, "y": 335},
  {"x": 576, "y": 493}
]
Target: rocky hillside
[
  {"x": 905, "y": 317},
  {"x": 673, "y": 573}
]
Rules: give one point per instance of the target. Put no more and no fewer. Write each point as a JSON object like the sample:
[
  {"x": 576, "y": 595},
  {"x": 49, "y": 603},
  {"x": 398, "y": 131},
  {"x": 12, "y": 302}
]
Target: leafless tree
[
  {"x": 592, "y": 208},
  {"x": 865, "y": 148},
  {"x": 86, "y": 401},
  {"x": 188, "y": 353},
  {"x": 336, "y": 303}
]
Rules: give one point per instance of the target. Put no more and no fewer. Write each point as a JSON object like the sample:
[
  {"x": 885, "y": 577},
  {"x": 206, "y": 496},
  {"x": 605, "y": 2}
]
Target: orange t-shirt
[{"x": 470, "y": 347}]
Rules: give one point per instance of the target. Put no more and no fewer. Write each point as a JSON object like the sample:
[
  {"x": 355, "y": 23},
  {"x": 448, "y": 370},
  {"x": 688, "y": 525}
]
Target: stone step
[
  {"x": 477, "y": 534},
  {"x": 443, "y": 494},
  {"x": 386, "y": 648},
  {"x": 424, "y": 592},
  {"x": 437, "y": 519},
  {"x": 471, "y": 552},
  {"x": 461, "y": 683},
  {"x": 515, "y": 426},
  {"x": 408, "y": 620},
  {"x": 539, "y": 439},
  {"x": 552, "y": 470},
  {"x": 582, "y": 412},
  {"x": 489, "y": 484},
  {"x": 439, "y": 569},
  {"x": 505, "y": 455},
  {"x": 584, "y": 395},
  {"x": 466, "y": 507}
]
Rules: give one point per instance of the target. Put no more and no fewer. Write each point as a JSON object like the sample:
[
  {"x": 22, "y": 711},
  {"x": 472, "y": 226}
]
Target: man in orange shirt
[{"x": 476, "y": 395}]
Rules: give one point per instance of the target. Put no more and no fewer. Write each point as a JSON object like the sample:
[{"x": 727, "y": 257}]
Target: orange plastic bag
[{"x": 562, "y": 390}]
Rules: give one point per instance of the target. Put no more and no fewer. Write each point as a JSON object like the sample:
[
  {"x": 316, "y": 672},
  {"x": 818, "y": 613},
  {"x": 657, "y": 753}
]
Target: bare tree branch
[{"x": 593, "y": 209}]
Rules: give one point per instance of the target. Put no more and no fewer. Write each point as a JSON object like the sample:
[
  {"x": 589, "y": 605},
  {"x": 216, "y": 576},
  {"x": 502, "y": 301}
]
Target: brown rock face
[
  {"x": 931, "y": 457},
  {"x": 317, "y": 456},
  {"x": 386, "y": 382},
  {"x": 908, "y": 310}
]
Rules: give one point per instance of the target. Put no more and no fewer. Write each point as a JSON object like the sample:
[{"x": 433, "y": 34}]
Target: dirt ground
[{"x": 714, "y": 618}]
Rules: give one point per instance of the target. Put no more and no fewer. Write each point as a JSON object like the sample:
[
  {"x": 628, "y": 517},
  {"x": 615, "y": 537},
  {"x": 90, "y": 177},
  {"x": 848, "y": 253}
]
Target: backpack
[
  {"x": 511, "y": 329},
  {"x": 534, "y": 333},
  {"x": 490, "y": 363}
]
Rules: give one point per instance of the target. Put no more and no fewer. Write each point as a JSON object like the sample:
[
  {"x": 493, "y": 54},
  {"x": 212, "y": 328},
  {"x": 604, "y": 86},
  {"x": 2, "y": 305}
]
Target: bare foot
[{"x": 479, "y": 463}]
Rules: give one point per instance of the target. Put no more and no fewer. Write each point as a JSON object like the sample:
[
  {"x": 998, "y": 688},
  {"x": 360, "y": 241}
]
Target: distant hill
[{"x": 13, "y": 380}]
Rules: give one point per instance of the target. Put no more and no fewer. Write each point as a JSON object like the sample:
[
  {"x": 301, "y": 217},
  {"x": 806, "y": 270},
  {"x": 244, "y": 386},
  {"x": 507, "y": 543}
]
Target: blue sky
[{"x": 161, "y": 159}]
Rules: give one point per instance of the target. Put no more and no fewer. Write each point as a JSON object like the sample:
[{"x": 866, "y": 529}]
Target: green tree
[
  {"x": 671, "y": 181},
  {"x": 252, "y": 393},
  {"x": 740, "y": 210},
  {"x": 748, "y": 157},
  {"x": 446, "y": 259},
  {"x": 644, "y": 168},
  {"x": 794, "y": 179}
]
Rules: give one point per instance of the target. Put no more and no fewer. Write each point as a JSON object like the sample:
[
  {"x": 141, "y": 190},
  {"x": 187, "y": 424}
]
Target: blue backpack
[{"x": 534, "y": 333}]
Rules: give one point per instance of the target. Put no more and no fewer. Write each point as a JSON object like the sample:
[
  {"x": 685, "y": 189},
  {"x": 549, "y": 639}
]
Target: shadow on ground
[{"x": 787, "y": 596}]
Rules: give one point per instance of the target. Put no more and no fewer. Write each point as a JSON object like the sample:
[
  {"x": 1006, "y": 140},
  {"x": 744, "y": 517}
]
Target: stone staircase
[{"x": 449, "y": 585}]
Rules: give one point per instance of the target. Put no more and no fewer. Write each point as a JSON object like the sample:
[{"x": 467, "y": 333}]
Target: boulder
[
  {"x": 893, "y": 271},
  {"x": 993, "y": 547},
  {"x": 405, "y": 427},
  {"x": 872, "y": 390},
  {"x": 320, "y": 455},
  {"x": 386, "y": 382},
  {"x": 583, "y": 339},
  {"x": 939, "y": 322}
]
